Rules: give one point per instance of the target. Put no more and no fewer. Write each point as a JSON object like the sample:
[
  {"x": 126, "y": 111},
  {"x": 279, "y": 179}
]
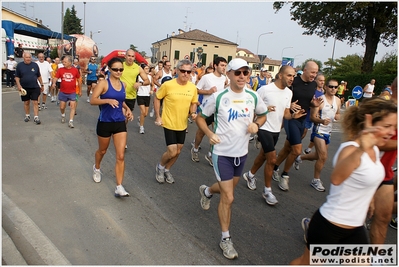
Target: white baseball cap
[
  {"x": 237, "y": 63},
  {"x": 11, "y": 56}
]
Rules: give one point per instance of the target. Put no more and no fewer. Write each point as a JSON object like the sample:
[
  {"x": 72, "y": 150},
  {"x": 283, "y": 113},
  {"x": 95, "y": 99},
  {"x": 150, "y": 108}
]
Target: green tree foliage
[
  {"x": 133, "y": 47},
  {"x": 367, "y": 23},
  {"x": 343, "y": 66},
  {"x": 387, "y": 65},
  {"x": 72, "y": 22},
  {"x": 54, "y": 53},
  {"x": 318, "y": 62}
]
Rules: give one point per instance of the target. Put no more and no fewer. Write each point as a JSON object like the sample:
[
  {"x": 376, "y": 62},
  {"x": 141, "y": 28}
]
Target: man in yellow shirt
[
  {"x": 129, "y": 76},
  {"x": 180, "y": 98}
]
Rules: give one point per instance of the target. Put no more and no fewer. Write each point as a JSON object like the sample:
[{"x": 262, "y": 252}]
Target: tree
[
  {"x": 318, "y": 62},
  {"x": 367, "y": 23},
  {"x": 72, "y": 22},
  {"x": 387, "y": 65},
  {"x": 133, "y": 47},
  {"x": 343, "y": 66}
]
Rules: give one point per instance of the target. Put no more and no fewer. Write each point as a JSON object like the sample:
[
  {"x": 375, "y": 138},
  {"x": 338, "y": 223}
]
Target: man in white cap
[
  {"x": 235, "y": 107},
  {"x": 10, "y": 65}
]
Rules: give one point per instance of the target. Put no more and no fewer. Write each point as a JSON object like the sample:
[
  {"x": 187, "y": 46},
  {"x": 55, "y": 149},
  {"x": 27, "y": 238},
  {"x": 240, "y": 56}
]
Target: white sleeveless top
[
  {"x": 348, "y": 202},
  {"x": 328, "y": 111}
]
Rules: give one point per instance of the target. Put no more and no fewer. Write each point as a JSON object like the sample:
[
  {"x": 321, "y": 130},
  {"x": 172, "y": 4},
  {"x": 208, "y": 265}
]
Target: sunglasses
[
  {"x": 332, "y": 86},
  {"x": 238, "y": 72},
  {"x": 184, "y": 71},
  {"x": 116, "y": 69}
]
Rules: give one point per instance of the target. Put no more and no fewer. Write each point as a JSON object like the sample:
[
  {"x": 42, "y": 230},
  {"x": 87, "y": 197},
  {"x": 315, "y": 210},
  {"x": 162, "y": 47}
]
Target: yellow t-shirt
[
  {"x": 177, "y": 100},
  {"x": 340, "y": 90},
  {"x": 129, "y": 76}
]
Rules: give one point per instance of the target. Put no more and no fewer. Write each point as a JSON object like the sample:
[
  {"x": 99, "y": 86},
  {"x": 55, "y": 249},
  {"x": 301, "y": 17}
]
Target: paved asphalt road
[{"x": 47, "y": 173}]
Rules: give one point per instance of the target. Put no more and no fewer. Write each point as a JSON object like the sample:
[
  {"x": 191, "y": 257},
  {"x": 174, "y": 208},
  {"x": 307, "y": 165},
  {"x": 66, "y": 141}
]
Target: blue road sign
[
  {"x": 357, "y": 92},
  {"x": 287, "y": 61}
]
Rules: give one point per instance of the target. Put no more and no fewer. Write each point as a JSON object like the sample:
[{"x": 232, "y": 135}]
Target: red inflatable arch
[{"x": 121, "y": 54}]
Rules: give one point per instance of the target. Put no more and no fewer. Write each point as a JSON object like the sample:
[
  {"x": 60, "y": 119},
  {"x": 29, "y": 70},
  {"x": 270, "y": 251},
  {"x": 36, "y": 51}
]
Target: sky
[{"x": 142, "y": 23}]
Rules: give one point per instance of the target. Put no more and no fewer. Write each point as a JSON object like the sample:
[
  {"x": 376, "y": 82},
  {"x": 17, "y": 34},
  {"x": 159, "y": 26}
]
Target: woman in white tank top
[{"x": 356, "y": 176}]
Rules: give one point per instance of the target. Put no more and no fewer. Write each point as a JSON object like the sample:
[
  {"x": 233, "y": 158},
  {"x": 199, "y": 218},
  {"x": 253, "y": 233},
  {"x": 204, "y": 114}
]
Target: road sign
[
  {"x": 357, "y": 92},
  {"x": 287, "y": 61}
]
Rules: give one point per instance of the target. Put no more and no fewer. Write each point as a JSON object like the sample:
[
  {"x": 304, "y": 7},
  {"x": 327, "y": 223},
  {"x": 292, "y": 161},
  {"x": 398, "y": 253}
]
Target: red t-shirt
[
  {"x": 388, "y": 159},
  {"x": 68, "y": 79}
]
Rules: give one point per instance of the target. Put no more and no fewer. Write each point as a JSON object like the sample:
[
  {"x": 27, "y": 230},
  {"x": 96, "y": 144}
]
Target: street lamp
[
  {"x": 257, "y": 48},
  {"x": 282, "y": 51},
  {"x": 91, "y": 33},
  {"x": 84, "y": 18}
]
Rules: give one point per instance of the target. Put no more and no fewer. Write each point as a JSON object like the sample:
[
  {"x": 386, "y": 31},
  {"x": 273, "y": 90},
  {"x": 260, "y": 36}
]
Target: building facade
[{"x": 196, "y": 45}]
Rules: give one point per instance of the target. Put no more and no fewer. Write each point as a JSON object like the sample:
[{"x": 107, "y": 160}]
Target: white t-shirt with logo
[
  {"x": 281, "y": 99},
  {"x": 233, "y": 113}
]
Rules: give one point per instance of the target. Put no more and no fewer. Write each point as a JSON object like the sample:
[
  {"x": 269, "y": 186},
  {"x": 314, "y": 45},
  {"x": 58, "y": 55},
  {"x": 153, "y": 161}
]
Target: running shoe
[
  {"x": 53, "y": 99},
  {"x": 283, "y": 183},
  {"x": 318, "y": 185},
  {"x": 121, "y": 192},
  {"x": 228, "y": 250},
  {"x": 70, "y": 124},
  {"x": 205, "y": 201},
  {"x": 251, "y": 182},
  {"x": 251, "y": 138},
  {"x": 141, "y": 130},
  {"x": 270, "y": 198},
  {"x": 159, "y": 175},
  {"x": 27, "y": 118},
  {"x": 88, "y": 100},
  {"x": 36, "y": 120},
  {"x": 307, "y": 151},
  {"x": 96, "y": 174},
  {"x": 297, "y": 161},
  {"x": 194, "y": 155},
  {"x": 257, "y": 144},
  {"x": 394, "y": 223},
  {"x": 169, "y": 178},
  {"x": 138, "y": 122},
  {"x": 44, "y": 106},
  {"x": 39, "y": 107},
  {"x": 193, "y": 144},
  {"x": 62, "y": 119},
  {"x": 152, "y": 113},
  {"x": 276, "y": 176},
  {"x": 209, "y": 159},
  {"x": 305, "y": 226}
]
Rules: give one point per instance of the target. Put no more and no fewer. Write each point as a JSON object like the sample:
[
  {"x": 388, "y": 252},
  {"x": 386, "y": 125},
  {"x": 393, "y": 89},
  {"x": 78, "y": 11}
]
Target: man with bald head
[
  {"x": 303, "y": 91},
  {"x": 28, "y": 77},
  {"x": 45, "y": 71}
]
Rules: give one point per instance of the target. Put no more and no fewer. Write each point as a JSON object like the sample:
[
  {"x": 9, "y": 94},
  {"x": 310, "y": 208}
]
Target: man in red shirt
[{"x": 69, "y": 77}]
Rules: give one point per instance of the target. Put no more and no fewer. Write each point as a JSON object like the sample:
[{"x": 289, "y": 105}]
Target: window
[
  {"x": 215, "y": 56},
  {"x": 177, "y": 54},
  {"x": 192, "y": 43},
  {"x": 271, "y": 68},
  {"x": 192, "y": 56},
  {"x": 203, "y": 59},
  {"x": 204, "y": 45},
  {"x": 229, "y": 58},
  {"x": 216, "y": 46}
]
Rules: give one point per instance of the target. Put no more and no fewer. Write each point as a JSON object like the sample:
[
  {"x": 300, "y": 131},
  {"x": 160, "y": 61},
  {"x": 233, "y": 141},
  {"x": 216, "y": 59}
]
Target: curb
[{"x": 10, "y": 254}]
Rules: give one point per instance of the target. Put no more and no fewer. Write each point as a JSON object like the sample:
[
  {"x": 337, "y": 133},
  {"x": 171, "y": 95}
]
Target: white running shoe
[
  {"x": 251, "y": 182},
  {"x": 297, "y": 161},
  {"x": 205, "y": 201},
  {"x": 121, "y": 192},
  {"x": 228, "y": 250},
  {"x": 96, "y": 174},
  {"x": 283, "y": 183},
  {"x": 269, "y": 198},
  {"x": 276, "y": 176},
  {"x": 159, "y": 175},
  {"x": 318, "y": 185}
]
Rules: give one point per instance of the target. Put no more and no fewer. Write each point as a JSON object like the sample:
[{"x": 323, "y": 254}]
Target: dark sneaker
[
  {"x": 36, "y": 120},
  {"x": 27, "y": 118}
]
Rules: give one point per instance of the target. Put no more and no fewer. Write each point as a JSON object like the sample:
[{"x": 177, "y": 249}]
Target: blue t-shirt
[
  {"x": 107, "y": 112},
  {"x": 28, "y": 74},
  {"x": 93, "y": 69}
]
